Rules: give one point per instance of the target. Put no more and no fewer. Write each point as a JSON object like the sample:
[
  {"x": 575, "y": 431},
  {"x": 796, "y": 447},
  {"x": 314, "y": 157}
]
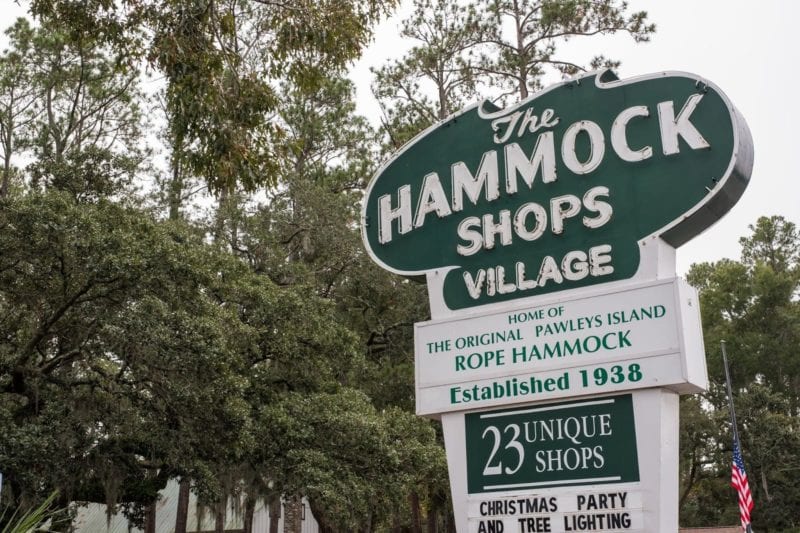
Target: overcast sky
[{"x": 749, "y": 49}]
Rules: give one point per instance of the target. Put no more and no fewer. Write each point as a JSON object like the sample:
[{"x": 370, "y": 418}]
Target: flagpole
[
  {"x": 749, "y": 528},
  {"x": 730, "y": 394}
]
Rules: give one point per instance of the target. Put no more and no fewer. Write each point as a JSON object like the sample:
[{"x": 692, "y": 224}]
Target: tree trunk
[
  {"x": 416, "y": 521},
  {"x": 150, "y": 518},
  {"x": 221, "y": 215},
  {"x": 249, "y": 511},
  {"x": 764, "y": 486},
  {"x": 522, "y": 67},
  {"x": 443, "y": 110},
  {"x": 689, "y": 483},
  {"x": 274, "y": 514},
  {"x": 431, "y": 524},
  {"x": 6, "y": 176},
  {"x": 450, "y": 521},
  {"x": 175, "y": 191},
  {"x": 7, "y": 150},
  {"x": 369, "y": 523},
  {"x": 221, "y": 515},
  {"x": 292, "y": 515},
  {"x": 182, "y": 513}
]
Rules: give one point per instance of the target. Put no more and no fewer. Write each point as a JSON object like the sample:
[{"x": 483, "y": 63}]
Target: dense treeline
[
  {"x": 245, "y": 347},
  {"x": 183, "y": 290},
  {"x": 753, "y": 305}
]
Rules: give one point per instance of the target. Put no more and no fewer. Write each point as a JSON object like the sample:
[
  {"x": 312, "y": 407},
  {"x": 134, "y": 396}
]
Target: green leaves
[
  {"x": 351, "y": 460},
  {"x": 33, "y": 518},
  {"x": 223, "y": 64},
  {"x": 520, "y": 58},
  {"x": 138, "y": 335},
  {"x": 71, "y": 108},
  {"x": 774, "y": 242},
  {"x": 752, "y": 305},
  {"x": 438, "y": 76}
]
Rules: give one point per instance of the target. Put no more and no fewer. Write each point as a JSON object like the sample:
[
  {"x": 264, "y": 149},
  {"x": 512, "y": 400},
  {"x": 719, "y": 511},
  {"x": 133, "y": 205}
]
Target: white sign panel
[
  {"x": 645, "y": 335},
  {"x": 619, "y": 509}
]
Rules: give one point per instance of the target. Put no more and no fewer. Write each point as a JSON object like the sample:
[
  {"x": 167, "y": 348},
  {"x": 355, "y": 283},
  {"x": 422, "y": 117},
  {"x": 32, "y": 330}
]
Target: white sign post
[
  {"x": 518, "y": 366},
  {"x": 560, "y": 337}
]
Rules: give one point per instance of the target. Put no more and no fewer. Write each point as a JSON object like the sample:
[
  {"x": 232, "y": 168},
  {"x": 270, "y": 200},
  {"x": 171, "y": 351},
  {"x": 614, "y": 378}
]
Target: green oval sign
[{"x": 558, "y": 191}]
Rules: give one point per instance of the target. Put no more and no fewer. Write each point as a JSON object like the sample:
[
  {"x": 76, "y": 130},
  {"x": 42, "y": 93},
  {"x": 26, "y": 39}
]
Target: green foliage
[
  {"x": 774, "y": 242},
  {"x": 32, "y": 519},
  {"x": 504, "y": 47},
  {"x": 518, "y": 59},
  {"x": 135, "y": 350},
  {"x": 105, "y": 320},
  {"x": 222, "y": 61},
  {"x": 18, "y": 97},
  {"x": 128, "y": 342},
  {"x": 352, "y": 461},
  {"x": 219, "y": 110},
  {"x": 307, "y": 234},
  {"x": 87, "y": 175},
  {"x": 751, "y": 304},
  {"x": 437, "y": 76},
  {"x": 73, "y": 108}
]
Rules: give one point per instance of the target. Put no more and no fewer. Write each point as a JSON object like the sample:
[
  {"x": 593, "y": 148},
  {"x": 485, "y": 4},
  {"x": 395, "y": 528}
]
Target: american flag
[{"x": 739, "y": 482}]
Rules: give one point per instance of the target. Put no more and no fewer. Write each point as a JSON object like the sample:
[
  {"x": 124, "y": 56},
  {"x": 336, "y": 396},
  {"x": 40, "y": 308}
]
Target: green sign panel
[
  {"x": 586, "y": 442},
  {"x": 561, "y": 190}
]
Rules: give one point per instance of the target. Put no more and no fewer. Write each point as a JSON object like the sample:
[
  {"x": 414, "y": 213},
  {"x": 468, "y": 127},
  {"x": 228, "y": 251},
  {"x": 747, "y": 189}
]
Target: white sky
[{"x": 749, "y": 49}]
